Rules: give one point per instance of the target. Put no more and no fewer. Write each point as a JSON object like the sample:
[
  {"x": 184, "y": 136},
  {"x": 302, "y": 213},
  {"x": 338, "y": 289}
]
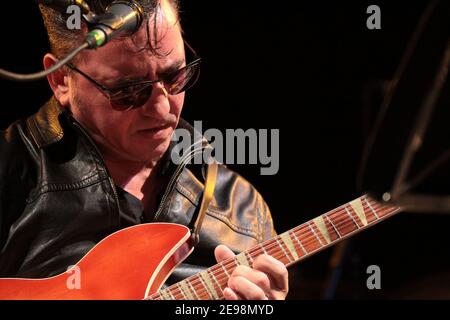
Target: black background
[{"x": 308, "y": 69}]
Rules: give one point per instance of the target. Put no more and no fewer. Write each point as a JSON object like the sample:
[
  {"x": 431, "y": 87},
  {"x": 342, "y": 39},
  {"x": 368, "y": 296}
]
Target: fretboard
[{"x": 289, "y": 247}]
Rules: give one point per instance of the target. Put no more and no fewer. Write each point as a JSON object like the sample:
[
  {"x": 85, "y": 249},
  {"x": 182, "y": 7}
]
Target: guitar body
[{"x": 132, "y": 263}]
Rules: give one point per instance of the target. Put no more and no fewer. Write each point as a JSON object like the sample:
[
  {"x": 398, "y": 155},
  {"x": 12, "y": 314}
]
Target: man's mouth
[
  {"x": 155, "y": 131},
  {"x": 158, "y": 127}
]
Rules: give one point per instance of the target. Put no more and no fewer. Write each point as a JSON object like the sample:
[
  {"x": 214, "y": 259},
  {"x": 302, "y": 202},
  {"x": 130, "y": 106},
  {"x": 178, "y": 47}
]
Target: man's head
[{"x": 154, "y": 52}]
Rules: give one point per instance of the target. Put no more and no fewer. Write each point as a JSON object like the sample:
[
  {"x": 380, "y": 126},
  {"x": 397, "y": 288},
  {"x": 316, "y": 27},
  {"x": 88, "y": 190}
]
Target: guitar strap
[{"x": 208, "y": 193}]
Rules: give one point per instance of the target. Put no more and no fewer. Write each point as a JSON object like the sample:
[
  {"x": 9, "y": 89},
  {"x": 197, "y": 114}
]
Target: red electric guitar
[{"x": 133, "y": 263}]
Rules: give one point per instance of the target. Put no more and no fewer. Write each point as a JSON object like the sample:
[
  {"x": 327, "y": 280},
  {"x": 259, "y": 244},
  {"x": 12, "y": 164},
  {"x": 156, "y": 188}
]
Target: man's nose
[{"x": 158, "y": 105}]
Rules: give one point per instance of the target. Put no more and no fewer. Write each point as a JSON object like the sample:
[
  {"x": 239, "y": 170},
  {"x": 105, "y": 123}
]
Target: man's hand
[{"x": 268, "y": 279}]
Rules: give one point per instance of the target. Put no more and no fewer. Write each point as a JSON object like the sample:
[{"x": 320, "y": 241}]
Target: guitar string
[
  {"x": 175, "y": 291},
  {"x": 272, "y": 243}
]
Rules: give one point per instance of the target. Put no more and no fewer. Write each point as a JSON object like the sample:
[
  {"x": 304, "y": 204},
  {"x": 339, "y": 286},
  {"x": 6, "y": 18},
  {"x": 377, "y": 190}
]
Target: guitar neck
[{"x": 289, "y": 247}]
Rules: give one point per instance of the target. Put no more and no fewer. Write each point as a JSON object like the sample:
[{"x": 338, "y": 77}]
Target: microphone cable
[{"x": 12, "y": 76}]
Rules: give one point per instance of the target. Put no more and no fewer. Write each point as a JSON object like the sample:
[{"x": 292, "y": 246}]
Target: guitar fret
[
  {"x": 219, "y": 287},
  {"x": 358, "y": 208},
  {"x": 180, "y": 290},
  {"x": 334, "y": 227},
  {"x": 205, "y": 286},
  {"x": 207, "y": 279},
  {"x": 312, "y": 229},
  {"x": 171, "y": 296},
  {"x": 225, "y": 269},
  {"x": 371, "y": 208},
  {"x": 306, "y": 237},
  {"x": 236, "y": 264},
  {"x": 300, "y": 244},
  {"x": 320, "y": 224},
  {"x": 164, "y": 295},
  {"x": 289, "y": 244},
  {"x": 185, "y": 290},
  {"x": 249, "y": 257},
  {"x": 282, "y": 249},
  {"x": 345, "y": 222},
  {"x": 192, "y": 289},
  {"x": 350, "y": 215},
  {"x": 264, "y": 250}
]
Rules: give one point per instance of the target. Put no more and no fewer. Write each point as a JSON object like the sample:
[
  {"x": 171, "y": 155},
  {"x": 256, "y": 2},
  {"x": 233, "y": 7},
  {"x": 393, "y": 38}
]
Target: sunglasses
[{"x": 135, "y": 95}]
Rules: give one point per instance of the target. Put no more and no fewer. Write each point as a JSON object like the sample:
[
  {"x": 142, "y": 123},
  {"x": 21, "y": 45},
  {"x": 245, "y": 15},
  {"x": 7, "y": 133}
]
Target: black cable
[{"x": 42, "y": 74}]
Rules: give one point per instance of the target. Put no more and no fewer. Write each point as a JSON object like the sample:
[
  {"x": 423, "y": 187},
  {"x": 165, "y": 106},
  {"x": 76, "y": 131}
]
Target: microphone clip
[{"x": 121, "y": 18}]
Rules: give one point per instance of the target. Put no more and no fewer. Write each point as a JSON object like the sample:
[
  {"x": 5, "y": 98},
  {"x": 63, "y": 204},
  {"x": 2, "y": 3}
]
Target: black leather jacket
[{"x": 57, "y": 200}]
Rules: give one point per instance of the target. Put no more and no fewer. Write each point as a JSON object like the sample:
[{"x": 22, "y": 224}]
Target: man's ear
[{"x": 58, "y": 80}]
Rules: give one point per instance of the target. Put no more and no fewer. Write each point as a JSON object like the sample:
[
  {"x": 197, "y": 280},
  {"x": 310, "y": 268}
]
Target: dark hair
[{"x": 63, "y": 40}]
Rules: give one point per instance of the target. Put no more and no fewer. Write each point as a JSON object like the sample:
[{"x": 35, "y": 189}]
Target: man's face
[{"x": 142, "y": 134}]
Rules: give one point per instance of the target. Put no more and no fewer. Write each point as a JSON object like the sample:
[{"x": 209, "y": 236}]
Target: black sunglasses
[{"x": 137, "y": 94}]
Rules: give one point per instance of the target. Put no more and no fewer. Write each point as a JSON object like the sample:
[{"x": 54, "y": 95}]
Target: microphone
[{"x": 121, "y": 18}]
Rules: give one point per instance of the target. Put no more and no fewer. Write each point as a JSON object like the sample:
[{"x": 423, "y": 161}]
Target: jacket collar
[{"x": 45, "y": 126}]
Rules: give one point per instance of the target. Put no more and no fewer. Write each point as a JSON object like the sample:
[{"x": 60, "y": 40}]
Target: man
[{"x": 96, "y": 159}]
